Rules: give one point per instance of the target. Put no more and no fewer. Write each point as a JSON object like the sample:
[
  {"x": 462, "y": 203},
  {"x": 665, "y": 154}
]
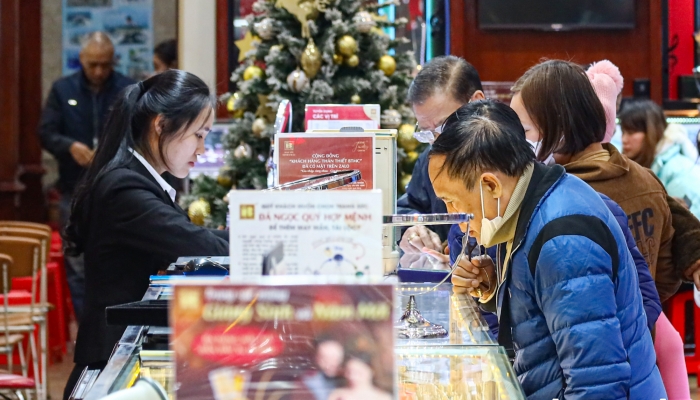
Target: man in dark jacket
[
  {"x": 440, "y": 88},
  {"x": 70, "y": 128},
  {"x": 568, "y": 302}
]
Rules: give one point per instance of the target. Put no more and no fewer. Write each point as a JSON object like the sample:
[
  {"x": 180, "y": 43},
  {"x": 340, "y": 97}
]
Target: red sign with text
[
  {"x": 301, "y": 156},
  {"x": 334, "y": 116}
]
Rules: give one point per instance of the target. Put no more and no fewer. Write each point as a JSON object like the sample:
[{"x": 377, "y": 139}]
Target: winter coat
[
  {"x": 643, "y": 198},
  {"x": 570, "y": 306},
  {"x": 650, "y": 297},
  {"x": 675, "y": 166}
]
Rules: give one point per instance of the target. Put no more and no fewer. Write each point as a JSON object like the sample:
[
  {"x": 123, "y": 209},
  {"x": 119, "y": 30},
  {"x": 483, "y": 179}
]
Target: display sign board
[
  {"x": 282, "y": 340},
  {"x": 337, "y": 116},
  {"x": 323, "y": 232},
  {"x": 303, "y": 155},
  {"x": 129, "y": 23}
]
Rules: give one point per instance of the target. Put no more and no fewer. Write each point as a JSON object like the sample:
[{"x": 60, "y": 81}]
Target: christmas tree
[{"x": 308, "y": 52}]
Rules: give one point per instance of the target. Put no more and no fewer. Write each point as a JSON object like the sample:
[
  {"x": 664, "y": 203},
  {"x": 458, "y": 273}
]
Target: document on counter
[{"x": 319, "y": 232}]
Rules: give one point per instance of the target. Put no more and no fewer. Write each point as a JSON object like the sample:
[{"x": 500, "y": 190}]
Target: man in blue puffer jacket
[
  {"x": 650, "y": 297},
  {"x": 568, "y": 302}
]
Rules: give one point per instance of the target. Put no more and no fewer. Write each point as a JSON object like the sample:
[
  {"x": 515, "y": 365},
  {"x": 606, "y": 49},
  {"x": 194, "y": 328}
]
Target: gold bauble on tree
[
  {"x": 352, "y": 61},
  {"x": 346, "y": 45},
  {"x": 258, "y": 127},
  {"x": 337, "y": 59},
  {"x": 387, "y": 64},
  {"x": 198, "y": 211},
  {"x": 231, "y": 106},
  {"x": 251, "y": 72},
  {"x": 405, "y": 138},
  {"x": 224, "y": 177},
  {"x": 355, "y": 99},
  {"x": 311, "y": 59}
]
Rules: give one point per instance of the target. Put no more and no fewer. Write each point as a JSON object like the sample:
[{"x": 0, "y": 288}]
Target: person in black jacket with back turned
[
  {"x": 124, "y": 217},
  {"x": 71, "y": 126}
]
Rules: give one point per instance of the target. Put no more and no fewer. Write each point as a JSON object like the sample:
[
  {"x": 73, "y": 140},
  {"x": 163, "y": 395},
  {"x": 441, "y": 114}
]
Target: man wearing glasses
[
  {"x": 70, "y": 127},
  {"x": 440, "y": 88}
]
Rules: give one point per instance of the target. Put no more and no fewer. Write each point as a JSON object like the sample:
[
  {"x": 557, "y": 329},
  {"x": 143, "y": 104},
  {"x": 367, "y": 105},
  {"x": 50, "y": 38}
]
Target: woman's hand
[{"x": 476, "y": 277}]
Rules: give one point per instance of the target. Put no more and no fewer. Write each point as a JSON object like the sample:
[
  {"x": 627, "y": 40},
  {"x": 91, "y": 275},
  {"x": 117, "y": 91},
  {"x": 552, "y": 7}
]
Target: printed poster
[
  {"x": 323, "y": 232},
  {"x": 283, "y": 341},
  {"x": 129, "y": 23},
  {"x": 303, "y": 155}
]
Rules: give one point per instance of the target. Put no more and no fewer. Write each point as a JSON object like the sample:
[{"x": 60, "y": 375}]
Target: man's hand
[
  {"x": 476, "y": 277},
  {"x": 81, "y": 153},
  {"x": 417, "y": 237}
]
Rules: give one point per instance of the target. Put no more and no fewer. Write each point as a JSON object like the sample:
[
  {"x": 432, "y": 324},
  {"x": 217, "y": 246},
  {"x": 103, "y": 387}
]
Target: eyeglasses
[{"x": 429, "y": 136}]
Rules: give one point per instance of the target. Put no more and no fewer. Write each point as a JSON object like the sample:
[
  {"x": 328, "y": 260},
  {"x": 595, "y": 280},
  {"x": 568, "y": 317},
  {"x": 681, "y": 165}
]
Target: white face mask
[
  {"x": 489, "y": 226},
  {"x": 536, "y": 148}
]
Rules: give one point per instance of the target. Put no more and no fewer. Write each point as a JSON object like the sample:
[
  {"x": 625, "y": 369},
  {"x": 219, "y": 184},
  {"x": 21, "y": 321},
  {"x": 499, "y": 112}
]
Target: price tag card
[
  {"x": 324, "y": 232},
  {"x": 281, "y": 339},
  {"x": 303, "y": 155},
  {"x": 337, "y": 116}
]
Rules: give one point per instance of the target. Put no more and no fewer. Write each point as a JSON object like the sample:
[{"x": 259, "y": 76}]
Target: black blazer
[{"x": 131, "y": 230}]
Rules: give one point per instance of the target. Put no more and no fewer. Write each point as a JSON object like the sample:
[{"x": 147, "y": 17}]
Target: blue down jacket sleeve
[{"x": 650, "y": 297}]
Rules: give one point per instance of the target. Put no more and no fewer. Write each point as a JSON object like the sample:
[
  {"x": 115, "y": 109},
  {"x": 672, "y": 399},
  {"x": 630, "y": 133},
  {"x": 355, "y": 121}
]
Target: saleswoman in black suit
[{"x": 124, "y": 215}]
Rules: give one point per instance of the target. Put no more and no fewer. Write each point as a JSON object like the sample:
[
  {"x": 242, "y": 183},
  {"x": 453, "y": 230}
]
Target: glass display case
[{"x": 465, "y": 363}]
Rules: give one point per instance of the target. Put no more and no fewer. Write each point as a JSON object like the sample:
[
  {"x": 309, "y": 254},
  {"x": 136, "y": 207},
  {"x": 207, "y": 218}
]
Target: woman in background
[{"x": 665, "y": 148}]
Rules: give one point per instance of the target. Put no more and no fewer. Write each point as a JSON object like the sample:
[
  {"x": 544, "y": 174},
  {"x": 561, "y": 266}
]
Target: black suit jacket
[{"x": 131, "y": 230}]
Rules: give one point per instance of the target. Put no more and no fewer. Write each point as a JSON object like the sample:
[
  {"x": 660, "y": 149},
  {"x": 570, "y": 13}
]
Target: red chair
[{"x": 676, "y": 311}]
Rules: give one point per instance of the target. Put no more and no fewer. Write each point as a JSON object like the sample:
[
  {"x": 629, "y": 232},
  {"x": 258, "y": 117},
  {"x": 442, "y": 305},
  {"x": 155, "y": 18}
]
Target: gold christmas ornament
[
  {"x": 387, "y": 64},
  {"x": 258, "y": 127},
  {"x": 265, "y": 28},
  {"x": 352, "y": 61},
  {"x": 347, "y": 46},
  {"x": 355, "y": 99},
  {"x": 231, "y": 106},
  {"x": 405, "y": 138},
  {"x": 224, "y": 179},
  {"x": 251, "y": 72},
  {"x": 311, "y": 60},
  {"x": 363, "y": 22},
  {"x": 390, "y": 119},
  {"x": 198, "y": 211},
  {"x": 243, "y": 151},
  {"x": 337, "y": 59},
  {"x": 297, "y": 81},
  {"x": 245, "y": 45}
]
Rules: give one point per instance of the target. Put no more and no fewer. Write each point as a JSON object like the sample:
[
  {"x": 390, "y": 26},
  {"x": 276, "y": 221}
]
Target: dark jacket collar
[
  {"x": 543, "y": 178},
  {"x": 85, "y": 84},
  {"x": 136, "y": 166}
]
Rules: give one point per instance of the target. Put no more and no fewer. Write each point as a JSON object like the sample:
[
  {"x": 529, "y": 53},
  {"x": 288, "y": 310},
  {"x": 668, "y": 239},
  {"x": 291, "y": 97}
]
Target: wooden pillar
[
  {"x": 10, "y": 187},
  {"x": 32, "y": 200}
]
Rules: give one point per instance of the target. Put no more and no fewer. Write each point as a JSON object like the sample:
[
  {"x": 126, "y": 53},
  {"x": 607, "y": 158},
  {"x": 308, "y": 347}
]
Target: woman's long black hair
[{"x": 178, "y": 96}]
